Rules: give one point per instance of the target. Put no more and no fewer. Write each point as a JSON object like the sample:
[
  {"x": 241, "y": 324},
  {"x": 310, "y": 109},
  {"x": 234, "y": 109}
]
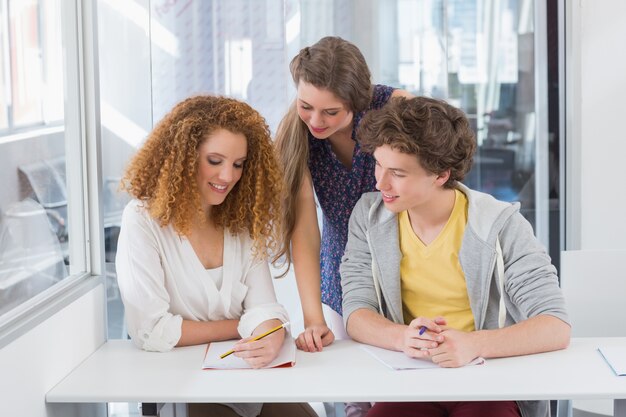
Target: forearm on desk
[
  {"x": 543, "y": 333},
  {"x": 367, "y": 326},
  {"x": 200, "y": 332}
]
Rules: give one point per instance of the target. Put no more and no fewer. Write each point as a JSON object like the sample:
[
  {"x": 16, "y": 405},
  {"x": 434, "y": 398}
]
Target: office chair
[
  {"x": 493, "y": 172},
  {"x": 45, "y": 181}
]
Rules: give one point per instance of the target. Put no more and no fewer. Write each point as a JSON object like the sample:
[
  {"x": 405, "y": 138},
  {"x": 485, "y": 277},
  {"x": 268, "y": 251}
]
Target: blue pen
[{"x": 422, "y": 330}]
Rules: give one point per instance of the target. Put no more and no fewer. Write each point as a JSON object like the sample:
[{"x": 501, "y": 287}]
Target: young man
[{"x": 421, "y": 270}]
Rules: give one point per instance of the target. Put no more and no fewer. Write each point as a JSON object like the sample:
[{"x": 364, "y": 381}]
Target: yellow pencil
[{"x": 261, "y": 336}]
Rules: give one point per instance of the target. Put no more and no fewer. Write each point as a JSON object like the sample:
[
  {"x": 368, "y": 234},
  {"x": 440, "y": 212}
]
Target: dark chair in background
[{"x": 493, "y": 172}]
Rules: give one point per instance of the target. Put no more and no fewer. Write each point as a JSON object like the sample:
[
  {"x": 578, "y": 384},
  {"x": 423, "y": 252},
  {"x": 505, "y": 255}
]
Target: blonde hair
[
  {"x": 332, "y": 64},
  {"x": 163, "y": 172}
]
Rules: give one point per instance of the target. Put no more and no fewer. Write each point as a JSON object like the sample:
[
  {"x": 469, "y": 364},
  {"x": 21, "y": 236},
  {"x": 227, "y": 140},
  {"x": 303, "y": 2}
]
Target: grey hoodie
[{"x": 370, "y": 267}]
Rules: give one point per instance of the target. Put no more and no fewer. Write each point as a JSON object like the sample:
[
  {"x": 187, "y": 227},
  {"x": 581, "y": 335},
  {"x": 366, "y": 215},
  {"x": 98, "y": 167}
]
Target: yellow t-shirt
[{"x": 432, "y": 281}]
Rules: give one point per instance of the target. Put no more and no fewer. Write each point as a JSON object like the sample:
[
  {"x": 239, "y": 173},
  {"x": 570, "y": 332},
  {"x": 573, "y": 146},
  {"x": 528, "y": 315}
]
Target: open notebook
[
  {"x": 400, "y": 361},
  {"x": 286, "y": 357}
]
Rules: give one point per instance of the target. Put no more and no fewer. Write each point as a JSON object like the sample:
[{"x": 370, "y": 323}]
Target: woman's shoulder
[
  {"x": 380, "y": 96},
  {"x": 136, "y": 213},
  {"x": 135, "y": 210}
]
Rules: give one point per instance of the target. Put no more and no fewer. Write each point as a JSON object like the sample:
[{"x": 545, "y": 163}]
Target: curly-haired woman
[{"x": 192, "y": 252}]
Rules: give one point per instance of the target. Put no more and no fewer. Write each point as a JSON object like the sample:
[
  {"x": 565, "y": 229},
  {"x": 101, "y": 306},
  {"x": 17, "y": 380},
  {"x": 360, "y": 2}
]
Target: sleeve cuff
[
  {"x": 163, "y": 336},
  {"x": 251, "y": 319}
]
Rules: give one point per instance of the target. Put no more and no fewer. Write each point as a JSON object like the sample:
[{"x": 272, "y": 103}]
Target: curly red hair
[{"x": 163, "y": 172}]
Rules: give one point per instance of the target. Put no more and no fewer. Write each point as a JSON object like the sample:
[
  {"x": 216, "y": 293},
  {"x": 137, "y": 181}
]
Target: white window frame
[{"x": 82, "y": 144}]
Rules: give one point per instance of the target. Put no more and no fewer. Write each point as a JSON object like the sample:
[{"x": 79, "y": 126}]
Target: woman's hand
[
  {"x": 315, "y": 337},
  {"x": 260, "y": 353}
]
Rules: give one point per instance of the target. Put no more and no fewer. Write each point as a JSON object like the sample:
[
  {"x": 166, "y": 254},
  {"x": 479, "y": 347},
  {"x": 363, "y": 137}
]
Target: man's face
[{"x": 403, "y": 182}]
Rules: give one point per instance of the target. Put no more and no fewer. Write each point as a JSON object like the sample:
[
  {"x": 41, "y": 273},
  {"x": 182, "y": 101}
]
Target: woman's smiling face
[
  {"x": 221, "y": 160},
  {"x": 322, "y": 111}
]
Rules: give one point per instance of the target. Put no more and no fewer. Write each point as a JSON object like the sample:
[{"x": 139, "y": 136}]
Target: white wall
[
  {"x": 596, "y": 142},
  {"x": 35, "y": 362}
]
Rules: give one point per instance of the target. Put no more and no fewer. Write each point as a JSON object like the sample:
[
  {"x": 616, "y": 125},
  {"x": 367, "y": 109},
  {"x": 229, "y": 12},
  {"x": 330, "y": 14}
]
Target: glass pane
[
  {"x": 422, "y": 53},
  {"x": 52, "y": 62},
  {"x": 4, "y": 92},
  {"x": 26, "y": 65},
  {"x": 494, "y": 77},
  {"x": 33, "y": 198},
  {"x": 126, "y": 120},
  {"x": 480, "y": 56},
  {"x": 231, "y": 48},
  {"x": 477, "y": 54}
]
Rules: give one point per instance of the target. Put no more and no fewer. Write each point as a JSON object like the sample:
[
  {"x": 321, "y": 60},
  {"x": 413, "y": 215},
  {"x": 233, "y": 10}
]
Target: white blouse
[{"x": 162, "y": 282}]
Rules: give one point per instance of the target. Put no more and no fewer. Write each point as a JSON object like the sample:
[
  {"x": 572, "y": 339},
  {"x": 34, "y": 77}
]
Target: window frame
[{"x": 82, "y": 144}]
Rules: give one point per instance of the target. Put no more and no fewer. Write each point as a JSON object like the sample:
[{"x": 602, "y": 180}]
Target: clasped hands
[{"x": 447, "y": 347}]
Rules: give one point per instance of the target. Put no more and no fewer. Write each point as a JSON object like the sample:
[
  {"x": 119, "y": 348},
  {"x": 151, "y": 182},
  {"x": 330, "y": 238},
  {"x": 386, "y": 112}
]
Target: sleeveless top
[{"x": 338, "y": 189}]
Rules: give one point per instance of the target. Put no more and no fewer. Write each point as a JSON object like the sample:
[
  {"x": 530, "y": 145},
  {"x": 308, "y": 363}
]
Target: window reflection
[
  {"x": 480, "y": 56},
  {"x": 31, "y": 256},
  {"x": 31, "y": 67},
  {"x": 477, "y": 54},
  {"x": 33, "y": 198}
]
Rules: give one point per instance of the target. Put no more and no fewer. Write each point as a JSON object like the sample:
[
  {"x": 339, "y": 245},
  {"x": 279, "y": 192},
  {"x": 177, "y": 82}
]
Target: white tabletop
[{"x": 119, "y": 372}]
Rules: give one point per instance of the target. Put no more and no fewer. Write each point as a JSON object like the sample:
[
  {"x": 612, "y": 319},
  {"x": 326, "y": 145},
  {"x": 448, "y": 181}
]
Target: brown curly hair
[
  {"x": 163, "y": 172},
  {"x": 438, "y": 134}
]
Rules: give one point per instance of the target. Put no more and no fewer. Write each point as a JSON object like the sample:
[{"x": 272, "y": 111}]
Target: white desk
[{"x": 119, "y": 372}]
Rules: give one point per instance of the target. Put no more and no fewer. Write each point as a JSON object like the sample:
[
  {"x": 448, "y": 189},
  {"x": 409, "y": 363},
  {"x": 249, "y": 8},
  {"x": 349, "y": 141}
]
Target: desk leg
[
  {"x": 619, "y": 409},
  {"x": 148, "y": 409},
  {"x": 563, "y": 408}
]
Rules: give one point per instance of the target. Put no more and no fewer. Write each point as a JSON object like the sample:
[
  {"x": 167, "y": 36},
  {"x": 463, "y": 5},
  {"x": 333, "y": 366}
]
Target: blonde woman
[{"x": 320, "y": 153}]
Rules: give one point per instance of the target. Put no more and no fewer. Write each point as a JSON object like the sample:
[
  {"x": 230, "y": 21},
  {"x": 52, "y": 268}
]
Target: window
[
  {"x": 478, "y": 54},
  {"x": 488, "y": 58},
  {"x": 40, "y": 165},
  {"x": 31, "y": 70}
]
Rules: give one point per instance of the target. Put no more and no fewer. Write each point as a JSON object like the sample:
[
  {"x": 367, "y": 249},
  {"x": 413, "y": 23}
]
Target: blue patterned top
[{"x": 338, "y": 189}]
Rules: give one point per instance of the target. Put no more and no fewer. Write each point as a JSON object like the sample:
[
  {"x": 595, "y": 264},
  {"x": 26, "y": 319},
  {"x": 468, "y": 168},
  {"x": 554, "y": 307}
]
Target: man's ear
[{"x": 443, "y": 177}]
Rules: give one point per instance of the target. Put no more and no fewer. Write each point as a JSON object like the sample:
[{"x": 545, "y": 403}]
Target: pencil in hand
[{"x": 261, "y": 336}]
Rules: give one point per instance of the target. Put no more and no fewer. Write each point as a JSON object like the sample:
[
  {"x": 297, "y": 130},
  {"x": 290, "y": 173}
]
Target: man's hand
[
  {"x": 421, "y": 335},
  {"x": 457, "y": 349}
]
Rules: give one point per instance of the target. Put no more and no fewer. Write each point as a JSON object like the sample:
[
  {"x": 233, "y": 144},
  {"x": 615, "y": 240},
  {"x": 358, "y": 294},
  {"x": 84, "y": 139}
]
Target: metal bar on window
[
  {"x": 542, "y": 173},
  {"x": 6, "y": 60}
]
